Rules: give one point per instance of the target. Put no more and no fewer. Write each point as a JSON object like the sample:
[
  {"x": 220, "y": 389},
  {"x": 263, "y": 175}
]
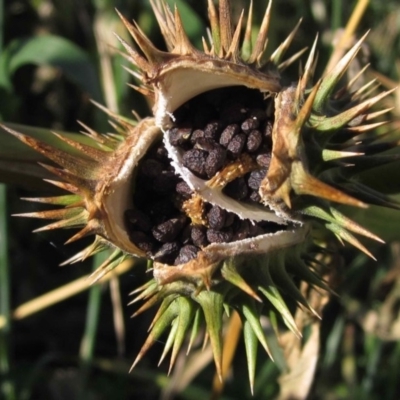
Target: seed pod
[{"x": 221, "y": 188}]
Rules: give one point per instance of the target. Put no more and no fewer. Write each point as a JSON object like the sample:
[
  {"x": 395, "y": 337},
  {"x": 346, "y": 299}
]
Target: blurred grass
[{"x": 43, "y": 359}]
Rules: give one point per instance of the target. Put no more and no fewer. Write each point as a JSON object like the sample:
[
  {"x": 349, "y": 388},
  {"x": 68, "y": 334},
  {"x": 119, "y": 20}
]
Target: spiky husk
[{"x": 317, "y": 135}]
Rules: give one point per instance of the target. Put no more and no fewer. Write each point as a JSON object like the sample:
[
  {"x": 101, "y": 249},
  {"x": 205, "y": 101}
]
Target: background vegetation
[{"x": 56, "y": 55}]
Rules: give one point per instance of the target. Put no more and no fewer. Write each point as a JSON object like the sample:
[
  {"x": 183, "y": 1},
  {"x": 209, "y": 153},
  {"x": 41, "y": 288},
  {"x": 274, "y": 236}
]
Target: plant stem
[{"x": 7, "y": 387}]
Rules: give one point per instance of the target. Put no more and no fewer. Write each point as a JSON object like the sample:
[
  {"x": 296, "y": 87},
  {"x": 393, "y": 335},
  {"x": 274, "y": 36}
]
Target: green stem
[
  {"x": 7, "y": 387},
  {"x": 89, "y": 336}
]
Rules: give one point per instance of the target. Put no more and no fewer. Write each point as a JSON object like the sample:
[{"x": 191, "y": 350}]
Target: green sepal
[
  {"x": 183, "y": 321},
  {"x": 332, "y": 78},
  {"x": 250, "y": 313},
  {"x": 284, "y": 281},
  {"x": 163, "y": 321},
  {"x": 211, "y": 303},
  {"x": 270, "y": 291},
  {"x": 251, "y": 346},
  {"x": 197, "y": 320}
]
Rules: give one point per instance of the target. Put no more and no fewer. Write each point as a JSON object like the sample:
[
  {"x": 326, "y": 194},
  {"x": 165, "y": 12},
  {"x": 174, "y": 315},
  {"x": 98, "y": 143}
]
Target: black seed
[
  {"x": 255, "y": 230},
  {"x": 254, "y": 141},
  {"x": 142, "y": 241},
  {"x": 230, "y": 219},
  {"x": 250, "y": 124},
  {"x": 179, "y": 136},
  {"x": 228, "y": 133},
  {"x": 186, "y": 253},
  {"x": 237, "y": 189},
  {"x": 264, "y": 159},
  {"x": 198, "y": 235},
  {"x": 159, "y": 211},
  {"x": 195, "y": 160},
  {"x": 165, "y": 182},
  {"x": 255, "y": 178},
  {"x": 206, "y": 144},
  {"x": 215, "y": 236},
  {"x": 138, "y": 220},
  {"x": 215, "y": 161},
  {"x": 212, "y": 130},
  {"x": 168, "y": 230},
  {"x": 161, "y": 153},
  {"x": 196, "y": 135},
  {"x": 255, "y": 196},
  {"x": 151, "y": 168},
  {"x": 216, "y": 217},
  {"x": 167, "y": 253},
  {"x": 185, "y": 237},
  {"x": 268, "y": 129},
  {"x": 236, "y": 145},
  {"x": 241, "y": 230},
  {"x": 183, "y": 189}
]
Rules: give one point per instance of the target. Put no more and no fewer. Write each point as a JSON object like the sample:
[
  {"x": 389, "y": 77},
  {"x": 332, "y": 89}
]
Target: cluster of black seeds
[
  {"x": 158, "y": 226},
  {"x": 217, "y": 127}
]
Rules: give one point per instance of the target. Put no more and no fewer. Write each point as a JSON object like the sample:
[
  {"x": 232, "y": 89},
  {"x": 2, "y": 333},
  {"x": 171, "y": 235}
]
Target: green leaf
[{"x": 55, "y": 51}]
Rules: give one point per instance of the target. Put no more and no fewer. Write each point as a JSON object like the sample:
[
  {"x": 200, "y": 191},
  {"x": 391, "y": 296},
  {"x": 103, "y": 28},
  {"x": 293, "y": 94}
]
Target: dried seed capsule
[
  {"x": 254, "y": 141},
  {"x": 136, "y": 219},
  {"x": 186, "y": 253},
  {"x": 228, "y": 133},
  {"x": 250, "y": 124},
  {"x": 183, "y": 189},
  {"x": 216, "y": 217},
  {"x": 179, "y": 136},
  {"x": 198, "y": 235},
  {"x": 237, "y": 189},
  {"x": 167, "y": 253},
  {"x": 236, "y": 145},
  {"x": 141, "y": 240},
  {"x": 195, "y": 160},
  {"x": 215, "y": 161},
  {"x": 214, "y": 236},
  {"x": 255, "y": 178},
  {"x": 168, "y": 230}
]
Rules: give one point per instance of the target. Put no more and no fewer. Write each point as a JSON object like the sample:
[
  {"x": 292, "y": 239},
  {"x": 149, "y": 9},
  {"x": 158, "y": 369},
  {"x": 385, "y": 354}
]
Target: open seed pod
[
  {"x": 226, "y": 187},
  {"x": 101, "y": 180}
]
